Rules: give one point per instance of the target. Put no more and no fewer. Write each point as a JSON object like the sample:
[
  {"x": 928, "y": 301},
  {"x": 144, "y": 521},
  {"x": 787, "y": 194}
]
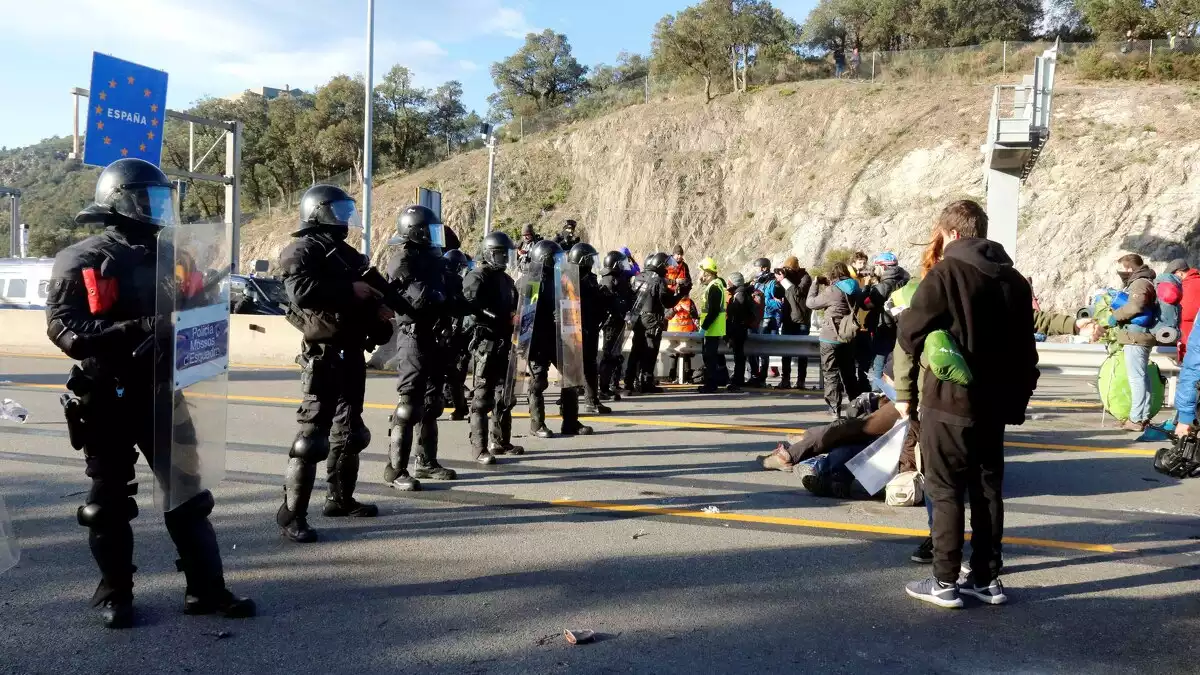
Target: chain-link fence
[{"x": 1176, "y": 58}]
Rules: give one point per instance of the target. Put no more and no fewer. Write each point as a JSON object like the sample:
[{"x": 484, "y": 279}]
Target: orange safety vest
[{"x": 683, "y": 320}]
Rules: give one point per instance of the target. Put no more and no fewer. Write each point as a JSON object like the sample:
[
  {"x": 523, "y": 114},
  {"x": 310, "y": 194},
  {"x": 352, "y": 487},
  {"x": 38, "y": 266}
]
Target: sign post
[{"x": 126, "y": 110}]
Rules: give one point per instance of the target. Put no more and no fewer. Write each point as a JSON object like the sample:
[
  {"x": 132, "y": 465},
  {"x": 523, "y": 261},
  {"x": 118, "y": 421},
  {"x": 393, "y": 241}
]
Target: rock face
[{"x": 805, "y": 168}]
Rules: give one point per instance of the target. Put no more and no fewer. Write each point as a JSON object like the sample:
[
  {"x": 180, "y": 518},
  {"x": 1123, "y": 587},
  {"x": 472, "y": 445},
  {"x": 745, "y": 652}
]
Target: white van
[{"x": 24, "y": 282}]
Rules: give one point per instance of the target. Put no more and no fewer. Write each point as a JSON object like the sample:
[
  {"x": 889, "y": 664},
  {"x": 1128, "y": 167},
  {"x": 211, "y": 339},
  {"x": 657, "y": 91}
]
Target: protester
[
  {"x": 772, "y": 298},
  {"x": 881, "y": 325},
  {"x": 1189, "y": 306},
  {"x": 975, "y": 295},
  {"x": 529, "y": 237},
  {"x": 634, "y": 268},
  {"x": 796, "y": 316},
  {"x": 739, "y": 318},
  {"x": 680, "y": 272},
  {"x": 1134, "y": 319},
  {"x": 839, "y": 296},
  {"x": 713, "y": 327},
  {"x": 860, "y": 268}
]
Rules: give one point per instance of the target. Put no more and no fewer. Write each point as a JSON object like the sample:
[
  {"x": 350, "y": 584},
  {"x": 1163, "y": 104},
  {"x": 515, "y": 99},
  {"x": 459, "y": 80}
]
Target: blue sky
[{"x": 220, "y": 47}]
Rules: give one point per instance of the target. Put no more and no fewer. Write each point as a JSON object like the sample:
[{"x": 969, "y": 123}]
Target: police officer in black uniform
[
  {"x": 543, "y": 349},
  {"x": 618, "y": 300},
  {"x": 456, "y": 331},
  {"x": 491, "y": 296},
  {"x": 101, "y": 310},
  {"x": 339, "y": 317},
  {"x": 653, "y": 298},
  {"x": 593, "y": 311},
  {"x": 417, "y": 272}
]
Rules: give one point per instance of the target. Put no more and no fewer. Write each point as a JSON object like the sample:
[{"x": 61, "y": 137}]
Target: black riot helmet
[
  {"x": 584, "y": 255},
  {"x": 658, "y": 263},
  {"x": 544, "y": 252},
  {"x": 133, "y": 193},
  {"x": 457, "y": 260},
  {"x": 328, "y": 206},
  {"x": 498, "y": 250},
  {"x": 419, "y": 226},
  {"x": 613, "y": 260},
  {"x": 569, "y": 226}
]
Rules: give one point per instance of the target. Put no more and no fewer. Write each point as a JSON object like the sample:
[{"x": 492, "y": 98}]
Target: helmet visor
[
  {"x": 671, "y": 262},
  {"x": 437, "y": 235},
  {"x": 155, "y": 204},
  {"x": 345, "y": 212}
]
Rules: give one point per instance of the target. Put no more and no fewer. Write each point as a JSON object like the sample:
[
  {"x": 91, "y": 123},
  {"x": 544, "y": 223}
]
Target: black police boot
[
  {"x": 500, "y": 435},
  {"x": 568, "y": 405},
  {"x": 292, "y": 516},
  {"x": 223, "y": 602},
  {"x": 427, "y": 451},
  {"x": 343, "y": 478},
  {"x": 478, "y": 436},
  {"x": 537, "y": 416},
  {"x": 116, "y": 614},
  {"x": 595, "y": 407},
  {"x": 606, "y": 395},
  {"x": 395, "y": 473}
]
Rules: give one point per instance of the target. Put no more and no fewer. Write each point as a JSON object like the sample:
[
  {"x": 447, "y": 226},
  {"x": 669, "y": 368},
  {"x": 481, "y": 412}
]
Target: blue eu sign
[{"x": 127, "y": 106}]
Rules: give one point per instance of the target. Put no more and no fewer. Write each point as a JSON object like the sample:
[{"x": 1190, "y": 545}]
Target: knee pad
[
  {"x": 196, "y": 508},
  {"x": 360, "y": 438},
  {"x": 482, "y": 403},
  {"x": 407, "y": 412},
  {"x": 98, "y": 515},
  {"x": 310, "y": 448}
]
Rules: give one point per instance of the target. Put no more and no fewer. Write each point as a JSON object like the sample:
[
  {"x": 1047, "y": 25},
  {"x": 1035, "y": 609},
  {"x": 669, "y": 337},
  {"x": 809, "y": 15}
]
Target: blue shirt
[{"x": 1189, "y": 375}]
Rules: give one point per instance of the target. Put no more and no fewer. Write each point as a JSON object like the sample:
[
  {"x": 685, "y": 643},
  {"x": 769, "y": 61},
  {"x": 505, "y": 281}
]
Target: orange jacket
[{"x": 684, "y": 318}]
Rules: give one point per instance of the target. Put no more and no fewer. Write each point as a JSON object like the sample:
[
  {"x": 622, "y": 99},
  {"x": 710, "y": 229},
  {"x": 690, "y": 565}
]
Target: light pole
[
  {"x": 485, "y": 130},
  {"x": 368, "y": 115}
]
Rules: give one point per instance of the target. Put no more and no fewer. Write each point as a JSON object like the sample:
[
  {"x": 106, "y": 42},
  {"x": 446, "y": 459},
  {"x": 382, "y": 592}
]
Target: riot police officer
[
  {"x": 591, "y": 306},
  {"x": 653, "y": 298},
  {"x": 456, "y": 332},
  {"x": 101, "y": 311},
  {"x": 618, "y": 300},
  {"x": 417, "y": 273},
  {"x": 491, "y": 297},
  {"x": 340, "y": 318},
  {"x": 544, "y": 348}
]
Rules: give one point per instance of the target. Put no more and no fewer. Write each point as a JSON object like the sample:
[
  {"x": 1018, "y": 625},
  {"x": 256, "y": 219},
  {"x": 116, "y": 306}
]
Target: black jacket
[
  {"x": 618, "y": 299},
  {"x": 566, "y": 240},
  {"x": 977, "y": 295},
  {"x": 740, "y": 312},
  {"x": 797, "y": 316},
  {"x": 420, "y": 276},
  {"x": 894, "y": 278},
  {"x": 592, "y": 304},
  {"x": 653, "y": 298},
  {"x": 320, "y": 291},
  {"x": 488, "y": 290}
]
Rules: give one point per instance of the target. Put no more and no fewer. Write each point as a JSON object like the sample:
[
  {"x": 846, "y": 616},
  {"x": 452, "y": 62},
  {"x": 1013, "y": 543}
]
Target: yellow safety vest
[{"x": 717, "y": 329}]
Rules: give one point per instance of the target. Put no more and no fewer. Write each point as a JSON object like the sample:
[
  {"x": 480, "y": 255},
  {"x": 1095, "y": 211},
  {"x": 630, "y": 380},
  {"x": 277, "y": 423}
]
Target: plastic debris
[
  {"x": 639, "y": 534},
  {"x": 711, "y": 509},
  {"x": 11, "y": 410},
  {"x": 579, "y": 637}
]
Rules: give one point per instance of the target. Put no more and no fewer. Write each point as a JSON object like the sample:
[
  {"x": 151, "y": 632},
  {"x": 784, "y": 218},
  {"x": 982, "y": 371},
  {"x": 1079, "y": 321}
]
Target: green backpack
[
  {"x": 1114, "y": 387},
  {"x": 945, "y": 360}
]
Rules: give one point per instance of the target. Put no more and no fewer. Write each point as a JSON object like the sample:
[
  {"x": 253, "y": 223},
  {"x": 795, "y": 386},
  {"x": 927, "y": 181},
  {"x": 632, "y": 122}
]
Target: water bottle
[{"x": 11, "y": 410}]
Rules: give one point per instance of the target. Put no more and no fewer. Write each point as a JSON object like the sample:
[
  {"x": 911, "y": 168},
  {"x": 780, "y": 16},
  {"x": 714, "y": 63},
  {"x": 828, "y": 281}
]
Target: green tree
[
  {"x": 542, "y": 74},
  {"x": 629, "y": 67},
  {"x": 447, "y": 114},
  {"x": 693, "y": 42},
  {"x": 402, "y": 117}
]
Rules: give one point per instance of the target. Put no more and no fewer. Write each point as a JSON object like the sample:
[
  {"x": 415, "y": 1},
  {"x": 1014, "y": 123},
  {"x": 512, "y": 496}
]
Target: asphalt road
[{"x": 609, "y": 533}]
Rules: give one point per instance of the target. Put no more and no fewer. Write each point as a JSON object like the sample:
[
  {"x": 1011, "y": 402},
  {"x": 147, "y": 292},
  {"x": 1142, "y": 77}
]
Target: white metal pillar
[
  {"x": 368, "y": 123},
  {"x": 233, "y": 193},
  {"x": 1003, "y": 209},
  {"x": 487, "y": 217}
]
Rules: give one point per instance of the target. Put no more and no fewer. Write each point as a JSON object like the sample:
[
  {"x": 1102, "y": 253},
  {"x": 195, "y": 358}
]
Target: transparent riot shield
[
  {"x": 516, "y": 382},
  {"x": 10, "y": 551},
  {"x": 641, "y": 291},
  {"x": 569, "y": 318},
  {"x": 191, "y": 361}
]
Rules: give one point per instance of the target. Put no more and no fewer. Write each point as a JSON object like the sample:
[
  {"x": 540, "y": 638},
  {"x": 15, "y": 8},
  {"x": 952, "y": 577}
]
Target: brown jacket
[{"x": 1141, "y": 298}]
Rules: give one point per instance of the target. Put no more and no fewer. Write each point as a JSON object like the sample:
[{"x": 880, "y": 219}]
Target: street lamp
[{"x": 489, "y": 139}]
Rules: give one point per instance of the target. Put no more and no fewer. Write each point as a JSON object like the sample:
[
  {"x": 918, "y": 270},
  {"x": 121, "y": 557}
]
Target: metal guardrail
[{"x": 1072, "y": 360}]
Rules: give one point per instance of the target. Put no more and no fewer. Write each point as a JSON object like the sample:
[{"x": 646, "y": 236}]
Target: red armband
[{"x": 101, "y": 292}]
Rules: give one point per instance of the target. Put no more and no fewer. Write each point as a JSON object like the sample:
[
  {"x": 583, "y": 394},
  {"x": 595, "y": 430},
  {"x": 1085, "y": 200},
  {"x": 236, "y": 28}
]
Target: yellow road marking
[
  {"x": 816, "y": 524},
  {"x": 670, "y": 424}
]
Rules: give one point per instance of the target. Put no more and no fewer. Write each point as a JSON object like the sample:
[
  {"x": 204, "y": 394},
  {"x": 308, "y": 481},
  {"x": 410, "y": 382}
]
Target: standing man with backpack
[
  {"x": 1134, "y": 320},
  {"x": 772, "y": 300},
  {"x": 839, "y": 297}
]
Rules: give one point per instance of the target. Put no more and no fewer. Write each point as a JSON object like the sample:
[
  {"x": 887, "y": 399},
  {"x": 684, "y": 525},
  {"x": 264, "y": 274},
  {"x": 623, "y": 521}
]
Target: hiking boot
[
  {"x": 117, "y": 614},
  {"x": 299, "y": 531},
  {"x": 924, "y": 552},
  {"x": 992, "y": 594},
  {"x": 778, "y": 460},
  {"x": 404, "y": 482},
  {"x": 485, "y": 458},
  {"x": 505, "y": 449},
  {"x": 543, "y": 432},
  {"x": 596, "y": 408},
  {"x": 350, "y": 508},
  {"x": 935, "y": 592},
  {"x": 733, "y": 389},
  {"x": 224, "y": 603},
  {"x": 435, "y": 471},
  {"x": 1129, "y": 425},
  {"x": 606, "y": 395}
]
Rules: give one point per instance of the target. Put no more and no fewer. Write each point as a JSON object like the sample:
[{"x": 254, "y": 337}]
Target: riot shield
[
  {"x": 641, "y": 291},
  {"x": 570, "y": 323},
  {"x": 516, "y": 382},
  {"x": 10, "y": 552},
  {"x": 191, "y": 361}
]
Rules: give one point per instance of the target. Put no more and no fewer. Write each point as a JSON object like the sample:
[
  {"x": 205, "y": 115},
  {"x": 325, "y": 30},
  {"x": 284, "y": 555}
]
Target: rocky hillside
[{"x": 804, "y": 168}]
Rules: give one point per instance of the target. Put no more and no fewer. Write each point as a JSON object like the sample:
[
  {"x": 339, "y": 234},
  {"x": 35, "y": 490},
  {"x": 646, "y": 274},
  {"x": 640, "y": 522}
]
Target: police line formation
[{"x": 102, "y": 311}]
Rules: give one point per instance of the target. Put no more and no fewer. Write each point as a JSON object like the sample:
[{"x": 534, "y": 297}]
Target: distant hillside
[
  {"x": 805, "y": 168},
  {"x": 53, "y": 189}
]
